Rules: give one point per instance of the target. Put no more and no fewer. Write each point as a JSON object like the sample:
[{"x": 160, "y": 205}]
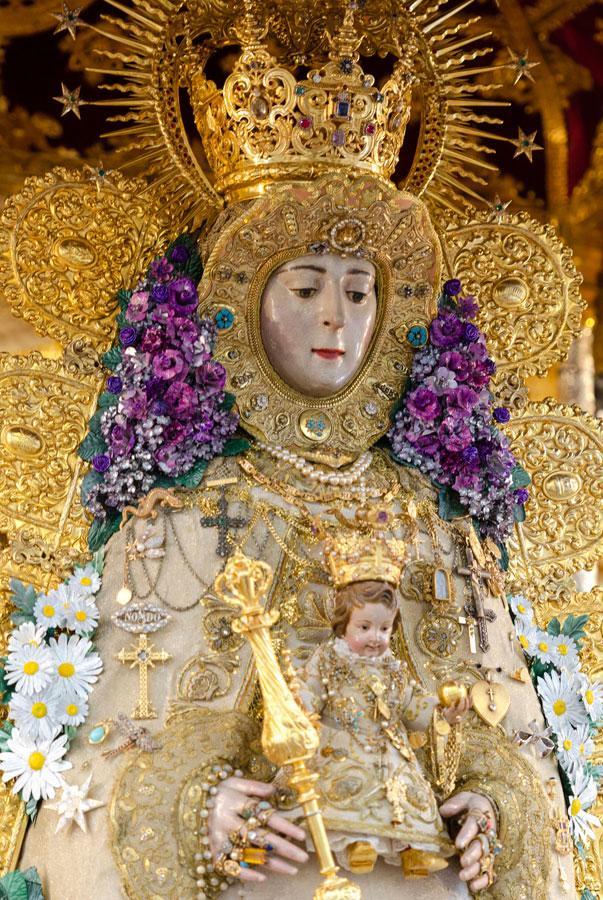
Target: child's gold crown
[{"x": 366, "y": 555}]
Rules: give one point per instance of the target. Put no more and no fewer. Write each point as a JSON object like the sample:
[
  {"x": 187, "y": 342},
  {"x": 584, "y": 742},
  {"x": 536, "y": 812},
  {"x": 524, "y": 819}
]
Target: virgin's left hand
[{"x": 466, "y": 839}]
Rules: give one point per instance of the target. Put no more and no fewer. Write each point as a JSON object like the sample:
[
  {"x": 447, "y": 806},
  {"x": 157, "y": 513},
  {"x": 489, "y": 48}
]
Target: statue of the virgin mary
[{"x": 318, "y": 343}]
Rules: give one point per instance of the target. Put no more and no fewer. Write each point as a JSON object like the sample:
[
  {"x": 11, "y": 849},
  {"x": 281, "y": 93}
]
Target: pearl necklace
[{"x": 353, "y": 478}]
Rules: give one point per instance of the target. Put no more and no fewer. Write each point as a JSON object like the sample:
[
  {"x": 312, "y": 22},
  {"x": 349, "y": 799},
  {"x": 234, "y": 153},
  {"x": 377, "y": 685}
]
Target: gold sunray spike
[
  {"x": 470, "y": 160},
  {"x": 457, "y": 45},
  {"x": 125, "y": 73},
  {"x": 147, "y": 21},
  {"x": 454, "y": 30},
  {"x": 121, "y": 39},
  {"x": 448, "y": 15}
]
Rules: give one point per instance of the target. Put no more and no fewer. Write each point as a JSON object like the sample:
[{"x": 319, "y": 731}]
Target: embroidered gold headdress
[{"x": 366, "y": 555}]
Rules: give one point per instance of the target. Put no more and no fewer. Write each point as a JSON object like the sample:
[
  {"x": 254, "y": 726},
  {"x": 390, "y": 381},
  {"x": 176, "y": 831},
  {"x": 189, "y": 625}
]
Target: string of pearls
[{"x": 353, "y": 477}]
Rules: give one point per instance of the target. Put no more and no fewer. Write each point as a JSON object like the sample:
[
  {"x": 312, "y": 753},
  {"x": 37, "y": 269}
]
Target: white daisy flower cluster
[
  {"x": 573, "y": 707},
  {"x": 49, "y": 672}
]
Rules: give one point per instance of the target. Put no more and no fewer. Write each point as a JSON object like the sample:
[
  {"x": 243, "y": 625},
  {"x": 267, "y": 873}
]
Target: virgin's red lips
[{"x": 326, "y": 353}]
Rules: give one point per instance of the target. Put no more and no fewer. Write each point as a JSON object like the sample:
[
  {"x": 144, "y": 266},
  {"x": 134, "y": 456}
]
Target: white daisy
[
  {"x": 544, "y": 647},
  {"x": 26, "y": 635},
  {"x": 574, "y": 747},
  {"x": 64, "y": 597},
  {"x": 565, "y": 655},
  {"x": 77, "y": 669},
  {"x": 86, "y": 580},
  {"x": 35, "y": 765},
  {"x": 521, "y": 606},
  {"x": 29, "y": 668},
  {"x": 71, "y": 709},
  {"x": 82, "y": 616},
  {"x": 592, "y": 695},
  {"x": 561, "y": 704},
  {"x": 48, "y": 612},
  {"x": 35, "y": 716},
  {"x": 526, "y": 635},
  {"x": 583, "y": 795}
]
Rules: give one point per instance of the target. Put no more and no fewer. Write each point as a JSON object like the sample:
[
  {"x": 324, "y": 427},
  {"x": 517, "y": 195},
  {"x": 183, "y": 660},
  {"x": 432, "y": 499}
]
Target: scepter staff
[{"x": 289, "y": 737}]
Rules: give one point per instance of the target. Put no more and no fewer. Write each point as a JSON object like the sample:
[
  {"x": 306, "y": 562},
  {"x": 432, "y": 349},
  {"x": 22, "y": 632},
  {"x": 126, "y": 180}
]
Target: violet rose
[{"x": 445, "y": 330}]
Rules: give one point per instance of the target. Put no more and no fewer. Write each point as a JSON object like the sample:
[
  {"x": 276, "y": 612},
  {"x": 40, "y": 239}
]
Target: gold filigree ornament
[
  {"x": 561, "y": 447},
  {"x": 391, "y": 229},
  {"x": 92, "y": 242},
  {"x": 527, "y": 287}
]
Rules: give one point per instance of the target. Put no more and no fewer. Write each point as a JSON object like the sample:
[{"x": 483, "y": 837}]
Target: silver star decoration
[
  {"x": 74, "y": 804},
  {"x": 521, "y": 65},
  {"x": 98, "y": 176},
  {"x": 68, "y": 20},
  {"x": 70, "y": 100},
  {"x": 524, "y": 144},
  {"x": 497, "y": 209}
]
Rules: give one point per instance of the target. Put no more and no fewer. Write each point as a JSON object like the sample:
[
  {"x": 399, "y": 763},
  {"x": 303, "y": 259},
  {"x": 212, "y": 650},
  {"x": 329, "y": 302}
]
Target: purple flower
[
  {"x": 179, "y": 254},
  {"x": 169, "y": 364},
  {"x": 161, "y": 269},
  {"x": 446, "y": 330},
  {"x": 424, "y": 404},
  {"x": 456, "y": 362},
  {"x": 470, "y": 456},
  {"x": 454, "y": 434},
  {"x": 471, "y": 332},
  {"x": 468, "y": 308},
  {"x": 501, "y": 414},
  {"x": 490, "y": 366},
  {"x": 134, "y": 404},
  {"x": 467, "y": 480},
  {"x": 203, "y": 427},
  {"x": 101, "y": 462},
  {"x": 452, "y": 287},
  {"x": 211, "y": 378},
  {"x": 160, "y": 293},
  {"x": 128, "y": 336},
  {"x": 114, "y": 384},
  {"x": 121, "y": 439},
  {"x": 137, "y": 307},
  {"x": 521, "y": 495},
  {"x": 153, "y": 340},
  {"x": 478, "y": 376},
  {"x": 183, "y": 295},
  {"x": 461, "y": 401},
  {"x": 428, "y": 443},
  {"x": 180, "y": 400}
]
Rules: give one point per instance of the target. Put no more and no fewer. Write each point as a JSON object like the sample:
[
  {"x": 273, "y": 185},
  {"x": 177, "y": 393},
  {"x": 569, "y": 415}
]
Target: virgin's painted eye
[
  {"x": 356, "y": 296},
  {"x": 305, "y": 293}
]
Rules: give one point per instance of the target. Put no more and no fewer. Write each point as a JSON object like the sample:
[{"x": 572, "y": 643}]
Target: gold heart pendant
[{"x": 491, "y": 701}]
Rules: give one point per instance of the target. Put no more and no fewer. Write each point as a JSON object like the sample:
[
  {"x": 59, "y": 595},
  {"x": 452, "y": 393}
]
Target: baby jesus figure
[{"x": 375, "y": 799}]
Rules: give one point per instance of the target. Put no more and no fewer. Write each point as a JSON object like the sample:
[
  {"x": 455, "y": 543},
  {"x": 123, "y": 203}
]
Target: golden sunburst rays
[{"x": 152, "y": 52}]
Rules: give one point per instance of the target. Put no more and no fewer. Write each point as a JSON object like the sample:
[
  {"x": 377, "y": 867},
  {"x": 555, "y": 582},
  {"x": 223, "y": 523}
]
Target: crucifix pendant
[
  {"x": 476, "y": 609},
  {"x": 223, "y": 522},
  {"x": 143, "y": 656}
]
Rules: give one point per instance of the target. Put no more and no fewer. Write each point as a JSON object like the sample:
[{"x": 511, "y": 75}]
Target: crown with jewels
[
  {"x": 265, "y": 126},
  {"x": 367, "y": 555}
]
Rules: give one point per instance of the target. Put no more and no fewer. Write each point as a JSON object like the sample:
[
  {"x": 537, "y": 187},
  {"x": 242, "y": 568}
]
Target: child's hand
[{"x": 455, "y": 714}]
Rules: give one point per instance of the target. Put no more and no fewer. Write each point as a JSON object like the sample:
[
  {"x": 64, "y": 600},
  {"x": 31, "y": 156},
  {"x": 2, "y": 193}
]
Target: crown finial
[{"x": 343, "y": 47}]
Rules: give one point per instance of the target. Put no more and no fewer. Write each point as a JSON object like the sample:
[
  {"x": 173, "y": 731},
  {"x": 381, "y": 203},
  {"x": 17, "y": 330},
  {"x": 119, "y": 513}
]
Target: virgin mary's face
[{"x": 318, "y": 316}]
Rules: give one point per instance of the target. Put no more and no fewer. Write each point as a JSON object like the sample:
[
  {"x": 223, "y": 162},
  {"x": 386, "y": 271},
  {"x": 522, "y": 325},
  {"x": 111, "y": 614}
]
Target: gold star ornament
[
  {"x": 524, "y": 144},
  {"x": 521, "y": 65},
  {"x": 73, "y": 805},
  {"x": 70, "y": 100},
  {"x": 68, "y": 20},
  {"x": 497, "y": 209}
]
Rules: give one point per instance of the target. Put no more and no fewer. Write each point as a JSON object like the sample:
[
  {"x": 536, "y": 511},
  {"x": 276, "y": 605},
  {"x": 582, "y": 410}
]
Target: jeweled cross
[
  {"x": 143, "y": 656},
  {"x": 476, "y": 609},
  {"x": 224, "y": 523}
]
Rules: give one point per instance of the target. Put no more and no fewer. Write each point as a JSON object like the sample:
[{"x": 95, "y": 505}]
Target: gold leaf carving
[
  {"x": 526, "y": 284},
  {"x": 66, "y": 248},
  {"x": 562, "y": 449}
]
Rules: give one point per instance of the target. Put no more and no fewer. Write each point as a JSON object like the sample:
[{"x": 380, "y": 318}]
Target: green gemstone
[{"x": 97, "y": 735}]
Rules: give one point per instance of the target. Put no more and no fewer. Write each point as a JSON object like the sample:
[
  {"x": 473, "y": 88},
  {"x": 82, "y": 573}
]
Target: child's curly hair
[{"x": 356, "y": 595}]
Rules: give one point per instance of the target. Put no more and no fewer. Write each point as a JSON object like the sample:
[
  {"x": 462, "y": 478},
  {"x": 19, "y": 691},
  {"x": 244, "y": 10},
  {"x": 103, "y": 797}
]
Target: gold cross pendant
[{"x": 143, "y": 656}]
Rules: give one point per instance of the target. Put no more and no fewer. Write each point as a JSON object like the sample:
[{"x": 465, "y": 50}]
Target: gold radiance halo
[
  {"x": 163, "y": 43},
  {"x": 293, "y": 220}
]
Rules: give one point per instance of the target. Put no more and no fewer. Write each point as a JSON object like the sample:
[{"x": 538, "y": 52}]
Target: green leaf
[
  {"x": 112, "y": 358},
  {"x": 93, "y": 444},
  {"x": 519, "y": 512},
  {"x": 90, "y": 480},
  {"x": 23, "y": 595},
  {"x": 574, "y": 627},
  {"x": 13, "y": 886},
  {"x": 102, "y": 529},
  {"x": 31, "y": 808},
  {"x": 192, "y": 478},
  {"x": 107, "y": 399},
  {"x": 449, "y": 504},
  {"x": 520, "y": 477},
  {"x": 98, "y": 560},
  {"x": 539, "y": 668},
  {"x": 123, "y": 298},
  {"x": 587, "y": 895},
  {"x": 193, "y": 266},
  {"x": 554, "y": 627},
  {"x": 6, "y": 690},
  {"x": 5, "y": 732},
  {"x": 34, "y": 884},
  {"x": 95, "y": 422},
  {"x": 229, "y": 401},
  {"x": 235, "y": 446}
]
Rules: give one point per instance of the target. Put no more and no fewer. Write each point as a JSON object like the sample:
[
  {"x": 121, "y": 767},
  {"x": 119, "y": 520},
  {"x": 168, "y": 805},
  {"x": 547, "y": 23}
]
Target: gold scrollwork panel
[
  {"x": 527, "y": 286},
  {"x": 67, "y": 246},
  {"x": 562, "y": 449}
]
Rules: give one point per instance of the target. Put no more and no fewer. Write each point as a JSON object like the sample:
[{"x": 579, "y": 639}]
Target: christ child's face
[{"x": 369, "y": 629}]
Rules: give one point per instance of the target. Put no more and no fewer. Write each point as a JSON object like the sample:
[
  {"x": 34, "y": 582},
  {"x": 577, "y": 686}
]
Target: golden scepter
[{"x": 288, "y": 738}]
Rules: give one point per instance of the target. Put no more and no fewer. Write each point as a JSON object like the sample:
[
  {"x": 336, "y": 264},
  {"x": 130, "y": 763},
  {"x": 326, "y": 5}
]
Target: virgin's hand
[
  {"x": 225, "y": 817},
  {"x": 466, "y": 839}
]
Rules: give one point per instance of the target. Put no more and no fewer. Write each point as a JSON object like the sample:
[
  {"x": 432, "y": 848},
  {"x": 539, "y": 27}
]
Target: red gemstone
[
  {"x": 370, "y": 129},
  {"x": 305, "y": 123}
]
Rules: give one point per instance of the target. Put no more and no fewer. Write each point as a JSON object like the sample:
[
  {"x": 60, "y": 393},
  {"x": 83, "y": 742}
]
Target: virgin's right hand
[{"x": 225, "y": 817}]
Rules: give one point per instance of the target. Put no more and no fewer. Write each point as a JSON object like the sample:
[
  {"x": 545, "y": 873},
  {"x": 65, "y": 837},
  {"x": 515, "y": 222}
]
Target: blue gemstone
[
  {"x": 97, "y": 735},
  {"x": 299, "y": 90},
  {"x": 224, "y": 318},
  {"x": 417, "y": 336},
  {"x": 379, "y": 98},
  {"x": 342, "y": 109}
]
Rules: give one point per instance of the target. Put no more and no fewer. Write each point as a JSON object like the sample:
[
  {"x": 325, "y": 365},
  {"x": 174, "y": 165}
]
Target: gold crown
[
  {"x": 366, "y": 555},
  {"x": 265, "y": 126}
]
